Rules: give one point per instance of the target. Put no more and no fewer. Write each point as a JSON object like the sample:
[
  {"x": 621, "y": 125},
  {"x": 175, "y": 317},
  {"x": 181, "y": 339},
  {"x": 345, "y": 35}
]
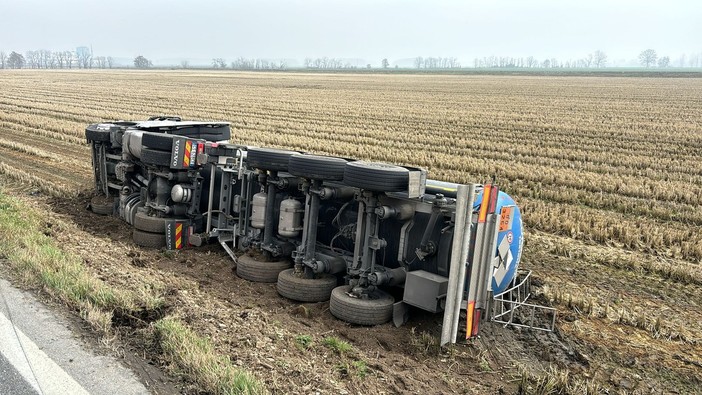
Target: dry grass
[{"x": 195, "y": 357}]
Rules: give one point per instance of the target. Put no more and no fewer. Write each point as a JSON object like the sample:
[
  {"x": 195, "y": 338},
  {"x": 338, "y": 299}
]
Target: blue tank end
[{"x": 513, "y": 231}]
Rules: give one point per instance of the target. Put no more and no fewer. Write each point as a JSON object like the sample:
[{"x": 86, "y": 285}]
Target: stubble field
[{"x": 607, "y": 170}]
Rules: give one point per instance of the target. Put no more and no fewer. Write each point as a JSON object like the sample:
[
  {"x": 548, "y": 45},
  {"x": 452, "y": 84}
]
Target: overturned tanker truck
[{"x": 323, "y": 228}]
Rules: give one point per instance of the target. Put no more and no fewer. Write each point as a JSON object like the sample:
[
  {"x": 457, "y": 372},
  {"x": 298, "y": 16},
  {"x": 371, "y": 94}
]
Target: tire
[
  {"x": 309, "y": 290},
  {"x": 97, "y": 135},
  {"x": 269, "y": 158},
  {"x": 374, "y": 311},
  {"x": 158, "y": 141},
  {"x": 147, "y": 223},
  {"x": 149, "y": 240},
  {"x": 378, "y": 177},
  {"x": 102, "y": 205},
  {"x": 323, "y": 168},
  {"x": 154, "y": 157},
  {"x": 258, "y": 271}
]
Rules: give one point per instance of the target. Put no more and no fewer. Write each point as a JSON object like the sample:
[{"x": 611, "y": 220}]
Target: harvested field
[{"x": 606, "y": 169}]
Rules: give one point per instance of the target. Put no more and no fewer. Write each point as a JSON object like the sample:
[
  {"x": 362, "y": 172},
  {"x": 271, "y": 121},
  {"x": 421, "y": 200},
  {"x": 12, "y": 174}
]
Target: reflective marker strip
[
  {"x": 186, "y": 153},
  {"x": 484, "y": 203},
  {"x": 469, "y": 319},
  {"x": 476, "y": 323},
  {"x": 179, "y": 237},
  {"x": 29, "y": 361}
]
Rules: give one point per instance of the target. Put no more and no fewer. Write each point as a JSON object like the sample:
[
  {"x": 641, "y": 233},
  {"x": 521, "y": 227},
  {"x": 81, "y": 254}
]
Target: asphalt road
[{"x": 39, "y": 354}]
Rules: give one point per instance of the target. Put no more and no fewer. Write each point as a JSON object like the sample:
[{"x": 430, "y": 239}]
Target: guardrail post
[{"x": 454, "y": 294}]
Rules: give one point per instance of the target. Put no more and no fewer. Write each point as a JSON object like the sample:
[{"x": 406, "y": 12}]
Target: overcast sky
[{"x": 367, "y": 29}]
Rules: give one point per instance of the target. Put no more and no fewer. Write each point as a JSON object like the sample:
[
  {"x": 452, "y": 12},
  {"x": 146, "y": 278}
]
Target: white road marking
[{"x": 50, "y": 377}]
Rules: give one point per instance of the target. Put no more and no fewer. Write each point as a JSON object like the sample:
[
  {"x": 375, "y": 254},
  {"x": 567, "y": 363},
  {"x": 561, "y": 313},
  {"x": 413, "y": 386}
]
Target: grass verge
[
  {"x": 37, "y": 261},
  {"x": 195, "y": 357}
]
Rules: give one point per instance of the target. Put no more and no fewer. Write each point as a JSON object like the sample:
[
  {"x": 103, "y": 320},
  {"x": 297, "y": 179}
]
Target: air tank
[
  {"x": 290, "y": 220},
  {"x": 258, "y": 210},
  {"x": 513, "y": 231}
]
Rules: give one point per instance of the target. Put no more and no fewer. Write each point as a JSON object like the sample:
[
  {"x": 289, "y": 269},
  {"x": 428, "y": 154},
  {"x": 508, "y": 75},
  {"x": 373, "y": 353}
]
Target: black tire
[
  {"x": 149, "y": 240},
  {"x": 97, "y": 135},
  {"x": 147, "y": 223},
  {"x": 102, "y": 205},
  {"x": 375, "y": 311},
  {"x": 154, "y": 157},
  {"x": 250, "y": 269},
  {"x": 158, "y": 141},
  {"x": 269, "y": 158},
  {"x": 317, "y": 289},
  {"x": 323, "y": 168},
  {"x": 373, "y": 176}
]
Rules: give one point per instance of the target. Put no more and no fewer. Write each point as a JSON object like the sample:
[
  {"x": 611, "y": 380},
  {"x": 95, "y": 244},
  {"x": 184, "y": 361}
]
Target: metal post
[
  {"x": 213, "y": 172},
  {"x": 464, "y": 260},
  {"x": 268, "y": 231},
  {"x": 311, "y": 226},
  {"x": 453, "y": 293}
]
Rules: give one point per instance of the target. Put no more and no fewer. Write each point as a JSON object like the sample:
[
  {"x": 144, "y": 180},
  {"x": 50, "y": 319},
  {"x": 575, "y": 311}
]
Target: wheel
[
  {"x": 324, "y": 168},
  {"x": 154, "y": 157},
  {"x": 102, "y": 205},
  {"x": 379, "y": 177},
  {"x": 250, "y": 269},
  {"x": 159, "y": 141},
  {"x": 94, "y": 134},
  {"x": 147, "y": 223},
  {"x": 374, "y": 311},
  {"x": 269, "y": 158},
  {"x": 317, "y": 289},
  {"x": 149, "y": 240}
]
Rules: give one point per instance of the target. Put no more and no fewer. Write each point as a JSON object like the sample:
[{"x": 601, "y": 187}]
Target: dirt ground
[{"x": 257, "y": 328}]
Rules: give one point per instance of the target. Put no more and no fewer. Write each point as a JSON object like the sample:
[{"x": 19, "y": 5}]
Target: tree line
[
  {"x": 597, "y": 59},
  {"x": 82, "y": 58}
]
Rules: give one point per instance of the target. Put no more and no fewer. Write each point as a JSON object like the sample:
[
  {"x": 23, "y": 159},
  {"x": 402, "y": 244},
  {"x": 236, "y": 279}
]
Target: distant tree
[
  {"x": 84, "y": 56},
  {"x": 219, "y": 63},
  {"x": 101, "y": 62},
  {"x": 141, "y": 62},
  {"x": 3, "y": 59},
  {"x": 32, "y": 59},
  {"x": 664, "y": 62},
  {"x": 15, "y": 60},
  {"x": 308, "y": 63},
  {"x": 110, "y": 61},
  {"x": 70, "y": 58},
  {"x": 368, "y": 66},
  {"x": 385, "y": 63},
  {"x": 546, "y": 63},
  {"x": 184, "y": 64},
  {"x": 648, "y": 57},
  {"x": 418, "y": 62},
  {"x": 599, "y": 59},
  {"x": 531, "y": 62}
]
